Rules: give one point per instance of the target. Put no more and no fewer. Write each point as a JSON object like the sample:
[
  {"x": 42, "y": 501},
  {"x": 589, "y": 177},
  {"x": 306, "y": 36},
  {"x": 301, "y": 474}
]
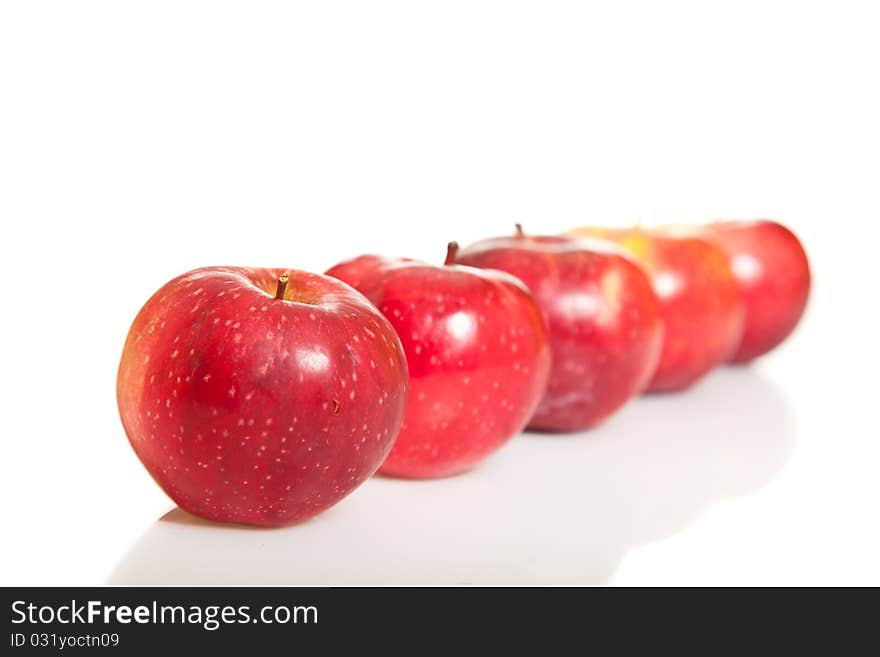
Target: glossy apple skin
[
  {"x": 773, "y": 273},
  {"x": 603, "y": 319},
  {"x": 478, "y": 359},
  {"x": 250, "y": 409},
  {"x": 703, "y": 311}
]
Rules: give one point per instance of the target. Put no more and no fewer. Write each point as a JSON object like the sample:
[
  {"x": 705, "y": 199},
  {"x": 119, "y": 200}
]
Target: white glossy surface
[
  {"x": 550, "y": 509},
  {"x": 138, "y": 141}
]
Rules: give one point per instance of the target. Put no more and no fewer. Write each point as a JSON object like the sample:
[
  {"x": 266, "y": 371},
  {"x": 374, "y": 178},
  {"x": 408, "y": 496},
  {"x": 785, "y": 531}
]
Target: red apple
[
  {"x": 260, "y": 396},
  {"x": 477, "y": 353},
  {"x": 703, "y": 311},
  {"x": 773, "y": 274},
  {"x": 603, "y": 319}
]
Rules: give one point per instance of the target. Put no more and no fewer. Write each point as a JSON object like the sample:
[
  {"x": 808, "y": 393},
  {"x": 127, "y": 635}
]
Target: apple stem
[
  {"x": 282, "y": 285},
  {"x": 451, "y": 250},
  {"x": 519, "y": 230}
]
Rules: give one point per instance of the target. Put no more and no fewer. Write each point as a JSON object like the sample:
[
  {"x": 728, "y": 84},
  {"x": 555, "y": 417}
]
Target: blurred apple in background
[
  {"x": 477, "y": 352},
  {"x": 603, "y": 318},
  {"x": 703, "y": 310},
  {"x": 773, "y": 273},
  {"x": 260, "y": 396}
]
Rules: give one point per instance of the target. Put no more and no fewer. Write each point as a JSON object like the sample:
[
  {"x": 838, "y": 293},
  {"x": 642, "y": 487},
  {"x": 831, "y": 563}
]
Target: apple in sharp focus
[
  {"x": 260, "y": 396},
  {"x": 773, "y": 273},
  {"x": 477, "y": 352},
  {"x": 602, "y": 315},
  {"x": 703, "y": 311}
]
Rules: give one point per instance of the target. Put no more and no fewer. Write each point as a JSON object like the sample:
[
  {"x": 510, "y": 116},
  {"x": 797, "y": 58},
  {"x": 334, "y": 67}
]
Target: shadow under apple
[{"x": 559, "y": 509}]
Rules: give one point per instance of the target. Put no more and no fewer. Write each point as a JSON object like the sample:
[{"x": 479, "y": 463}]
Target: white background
[{"x": 140, "y": 140}]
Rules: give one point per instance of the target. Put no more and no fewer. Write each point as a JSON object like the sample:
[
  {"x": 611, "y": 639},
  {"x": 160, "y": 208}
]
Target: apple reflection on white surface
[{"x": 548, "y": 509}]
